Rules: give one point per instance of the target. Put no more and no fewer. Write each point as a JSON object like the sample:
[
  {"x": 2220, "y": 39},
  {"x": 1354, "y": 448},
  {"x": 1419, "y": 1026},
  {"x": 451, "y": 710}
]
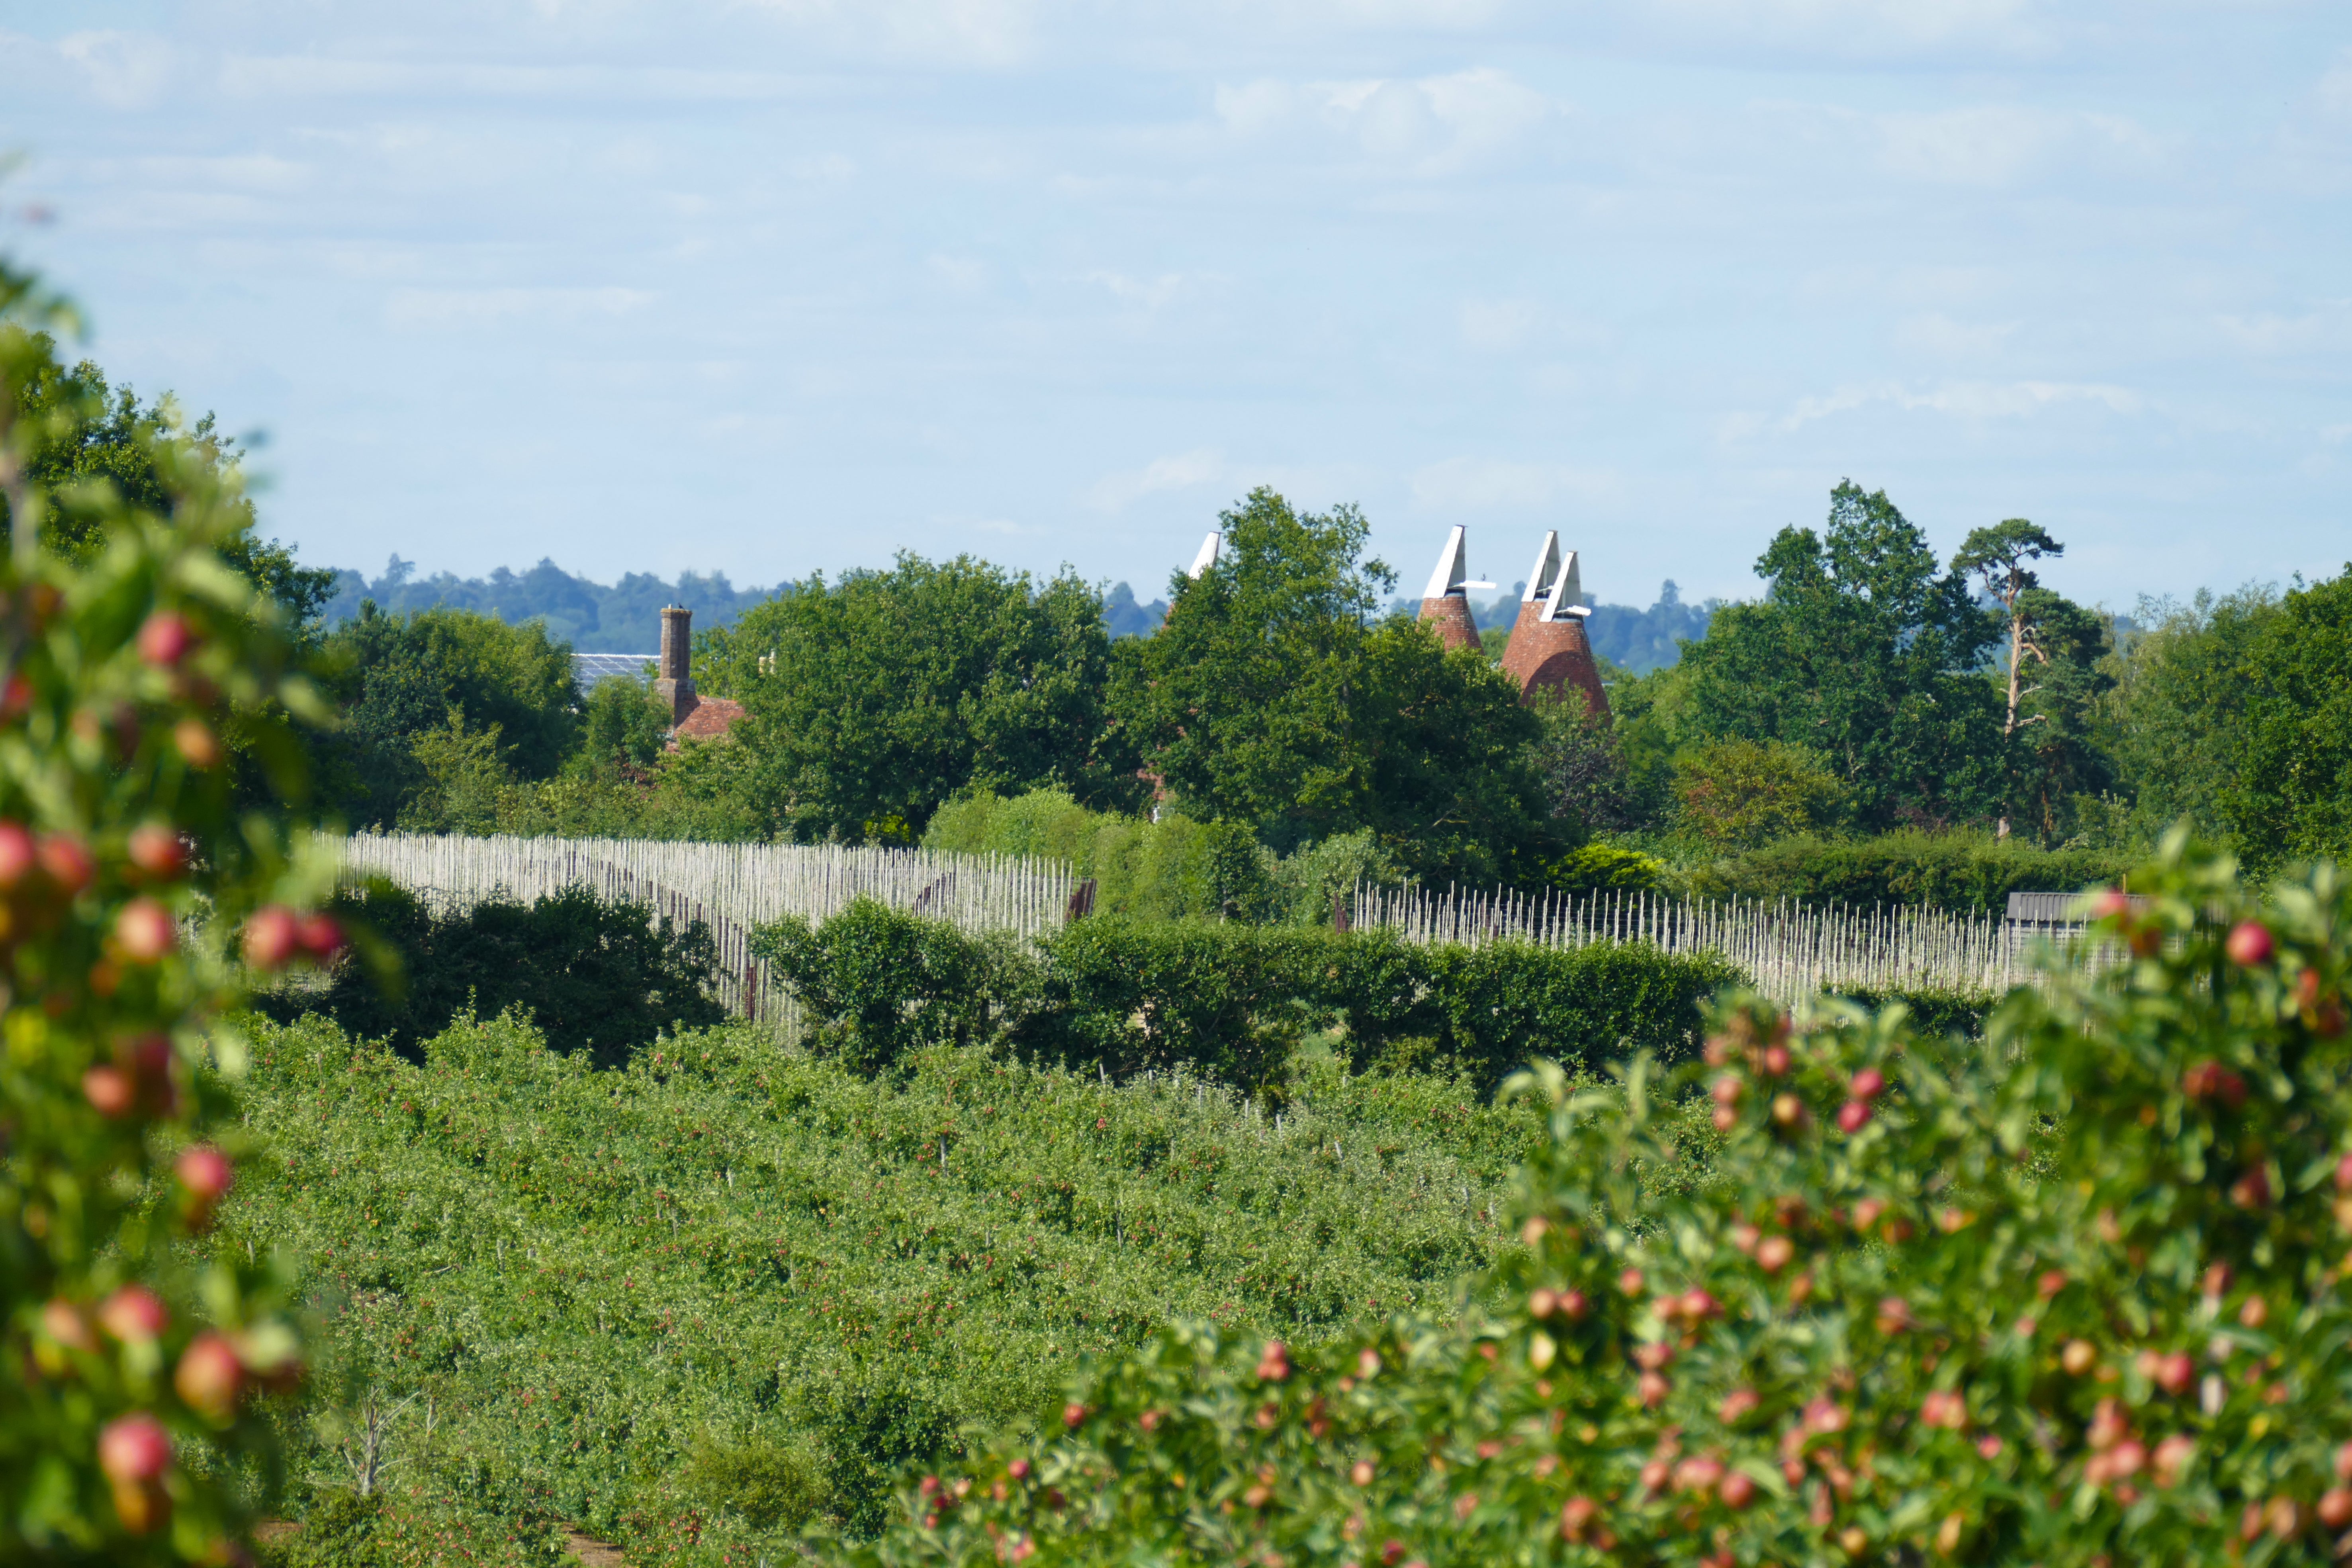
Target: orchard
[
  {"x": 2072, "y": 1294},
  {"x": 144, "y": 694}
]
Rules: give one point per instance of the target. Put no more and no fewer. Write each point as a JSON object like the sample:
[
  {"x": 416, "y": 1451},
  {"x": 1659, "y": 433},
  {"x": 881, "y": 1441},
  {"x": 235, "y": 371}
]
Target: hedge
[
  {"x": 596, "y": 975},
  {"x": 1233, "y": 1001}
]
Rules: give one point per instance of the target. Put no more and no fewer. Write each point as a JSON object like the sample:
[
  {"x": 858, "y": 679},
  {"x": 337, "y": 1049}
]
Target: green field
[{"x": 692, "y": 1304}]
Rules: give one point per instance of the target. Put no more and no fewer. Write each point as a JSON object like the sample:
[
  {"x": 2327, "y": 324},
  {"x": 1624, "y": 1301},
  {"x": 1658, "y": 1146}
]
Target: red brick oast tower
[
  {"x": 1549, "y": 649},
  {"x": 1446, "y": 606}
]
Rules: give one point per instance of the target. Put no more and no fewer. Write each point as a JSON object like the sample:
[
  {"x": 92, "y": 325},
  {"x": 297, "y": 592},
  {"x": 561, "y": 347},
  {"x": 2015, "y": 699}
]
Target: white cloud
[
  {"x": 1426, "y": 126},
  {"x": 1485, "y": 484},
  {"x": 1991, "y": 145},
  {"x": 2335, "y": 87},
  {"x": 122, "y": 71},
  {"x": 1184, "y": 471},
  {"x": 1959, "y": 399},
  {"x": 960, "y": 274},
  {"x": 1937, "y": 333},
  {"x": 984, "y": 33},
  {"x": 2327, "y": 330},
  {"x": 1499, "y": 324},
  {"x": 431, "y": 309},
  {"x": 1150, "y": 293}
]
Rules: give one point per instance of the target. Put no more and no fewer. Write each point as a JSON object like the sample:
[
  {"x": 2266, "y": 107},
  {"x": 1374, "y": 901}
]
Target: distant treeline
[
  {"x": 626, "y": 617},
  {"x": 623, "y": 618}
]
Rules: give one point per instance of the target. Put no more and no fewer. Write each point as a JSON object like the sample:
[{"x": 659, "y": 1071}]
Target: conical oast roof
[
  {"x": 1549, "y": 649},
  {"x": 1446, "y": 603}
]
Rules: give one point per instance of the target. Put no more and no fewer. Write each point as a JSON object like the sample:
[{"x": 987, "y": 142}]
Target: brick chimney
[{"x": 675, "y": 684}]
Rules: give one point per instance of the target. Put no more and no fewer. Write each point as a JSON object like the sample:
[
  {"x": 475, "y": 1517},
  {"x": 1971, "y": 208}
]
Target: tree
[
  {"x": 2291, "y": 796},
  {"x": 138, "y": 1353},
  {"x": 1863, "y": 652},
  {"x": 100, "y": 449},
  {"x": 1734, "y": 794},
  {"x": 1271, "y": 697},
  {"x": 2175, "y": 719},
  {"x": 872, "y": 702},
  {"x": 2045, "y": 730},
  {"x": 402, "y": 679}
]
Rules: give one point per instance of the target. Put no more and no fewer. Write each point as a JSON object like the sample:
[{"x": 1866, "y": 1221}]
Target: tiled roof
[{"x": 709, "y": 719}]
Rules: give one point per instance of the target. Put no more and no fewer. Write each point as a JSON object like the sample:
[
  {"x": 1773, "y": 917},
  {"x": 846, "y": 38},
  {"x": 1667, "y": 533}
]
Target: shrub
[
  {"x": 600, "y": 977},
  {"x": 882, "y": 983},
  {"x": 2070, "y": 1297}
]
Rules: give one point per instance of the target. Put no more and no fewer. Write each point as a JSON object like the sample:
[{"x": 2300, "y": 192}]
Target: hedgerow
[
  {"x": 1235, "y": 1001},
  {"x": 2070, "y": 1296},
  {"x": 601, "y": 976}
]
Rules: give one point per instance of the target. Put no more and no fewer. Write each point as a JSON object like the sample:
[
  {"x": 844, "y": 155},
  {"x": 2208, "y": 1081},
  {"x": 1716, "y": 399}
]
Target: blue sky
[{"x": 770, "y": 287}]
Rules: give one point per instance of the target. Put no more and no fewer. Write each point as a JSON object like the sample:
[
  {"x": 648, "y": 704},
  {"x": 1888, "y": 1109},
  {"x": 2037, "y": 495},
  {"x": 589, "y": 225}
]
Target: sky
[{"x": 770, "y": 286}]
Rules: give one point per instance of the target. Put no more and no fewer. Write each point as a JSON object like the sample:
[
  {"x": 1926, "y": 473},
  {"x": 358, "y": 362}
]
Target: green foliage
[
  {"x": 603, "y": 979},
  {"x": 626, "y": 726},
  {"x": 1863, "y": 652},
  {"x": 1645, "y": 640},
  {"x": 670, "y": 1302},
  {"x": 2292, "y": 794},
  {"x": 1601, "y": 867},
  {"x": 871, "y": 703},
  {"x": 1739, "y": 794},
  {"x": 1233, "y": 1001},
  {"x": 93, "y": 448},
  {"x": 1170, "y": 869},
  {"x": 2069, "y": 1296},
  {"x": 1272, "y": 699},
  {"x": 885, "y": 982},
  {"x": 129, "y": 865},
  {"x": 504, "y": 692},
  {"x": 2175, "y": 720},
  {"x": 1947, "y": 870},
  {"x": 1586, "y": 782}
]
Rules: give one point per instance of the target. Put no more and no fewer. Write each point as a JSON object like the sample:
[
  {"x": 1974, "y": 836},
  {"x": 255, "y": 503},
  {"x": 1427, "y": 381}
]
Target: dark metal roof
[
  {"x": 2050, "y": 908},
  {"x": 589, "y": 669}
]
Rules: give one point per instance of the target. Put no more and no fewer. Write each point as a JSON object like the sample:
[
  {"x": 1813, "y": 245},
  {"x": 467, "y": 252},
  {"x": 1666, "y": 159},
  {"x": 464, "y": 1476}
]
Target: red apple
[
  {"x": 2336, "y": 1507},
  {"x": 2175, "y": 1373},
  {"x": 206, "y": 1172},
  {"x": 68, "y": 1325},
  {"x": 68, "y": 861},
  {"x": 158, "y": 850},
  {"x": 1868, "y": 1084},
  {"x": 110, "y": 1091},
  {"x": 1738, "y": 1491},
  {"x": 17, "y": 853},
  {"x": 1774, "y": 1252},
  {"x": 320, "y": 936},
  {"x": 1573, "y": 1305},
  {"x": 2249, "y": 943},
  {"x": 1852, "y": 1116},
  {"x": 210, "y": 1376},
  {"x": 1274, "y": 1362},
  {"x": 271, "y": 937},
  {"x": 165, "y": 640},
  {"x": 1073, "y": 1416},
  {"x": 1788, "y": 1110},
  {"x": 134, "y": 1448},
  {"x": 132, "y": 1314},
  {"x": 2110, "y": 903},
  {"x": 145, "y": 931},
  {"x": 1576, "y": 1517},
  {"x": 197, "y": 743},
  {"x": 1775, "y": 1060}
]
